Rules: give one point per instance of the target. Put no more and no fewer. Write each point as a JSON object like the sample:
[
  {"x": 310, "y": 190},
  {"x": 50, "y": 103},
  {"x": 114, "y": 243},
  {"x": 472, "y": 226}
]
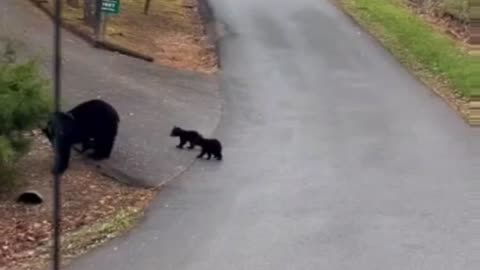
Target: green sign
[{"x": 111, "y": 6}]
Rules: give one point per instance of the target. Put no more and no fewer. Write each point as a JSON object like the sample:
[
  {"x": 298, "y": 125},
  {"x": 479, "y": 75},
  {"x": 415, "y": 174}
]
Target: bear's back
[
  {"x": 96, "y": 118},
  {"x": 95, "y": 109}
]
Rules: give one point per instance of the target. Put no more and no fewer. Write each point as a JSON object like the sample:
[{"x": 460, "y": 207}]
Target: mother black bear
[{"x": 94, "y": 124}]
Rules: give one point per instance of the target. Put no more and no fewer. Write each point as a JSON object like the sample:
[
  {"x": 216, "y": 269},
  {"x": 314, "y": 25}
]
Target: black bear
[
  {"x": 190, "y": 136},
  {"x": 210, "y": 147},
  {"x": 94, "y": 124}
]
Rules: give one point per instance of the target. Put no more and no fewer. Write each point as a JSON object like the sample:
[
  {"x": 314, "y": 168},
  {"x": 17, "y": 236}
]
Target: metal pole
[{"x": 57, "y": 60}]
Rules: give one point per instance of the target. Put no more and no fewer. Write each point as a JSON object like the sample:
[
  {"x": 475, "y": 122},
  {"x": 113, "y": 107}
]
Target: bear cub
[
  {"x": 94, "y": 124},
  {"x": 190, "y": 136},
  {"x": 209, "y": 146}
]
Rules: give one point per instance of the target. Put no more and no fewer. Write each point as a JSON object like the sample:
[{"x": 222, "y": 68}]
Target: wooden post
[
  {"x": 99, "y": 21},
  {"x": 147, "y": 7},
  {"x": 89, "y": 12}
]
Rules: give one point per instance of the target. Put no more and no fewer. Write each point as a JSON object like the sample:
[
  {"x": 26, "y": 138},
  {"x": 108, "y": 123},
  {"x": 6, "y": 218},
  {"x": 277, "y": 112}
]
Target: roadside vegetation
[
  {"x": 434, "y": 56},
  {"x": 24, "y": 103}
]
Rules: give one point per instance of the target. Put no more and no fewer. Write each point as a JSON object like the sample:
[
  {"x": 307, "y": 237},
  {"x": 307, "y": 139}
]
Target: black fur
[
  {"x": 190, "y": 136},
  {"x": 59, "y": 132},
  {"x": 210, "y": 147},
  {"x": 94, "y": 124}
]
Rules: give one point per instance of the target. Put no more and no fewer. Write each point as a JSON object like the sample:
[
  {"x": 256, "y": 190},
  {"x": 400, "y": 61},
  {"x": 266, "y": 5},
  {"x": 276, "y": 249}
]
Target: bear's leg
[
  {"x": 102, "y": 148},
  {"x": 209, "y": 155},
  {"x": 95, "y": 155},
  {"x": 88, "y": 145},
  {"x": 219, "y": 156},
  {"x": 192, "y": 145},
  {"x": 78, "y": 150},
  {"x": 182, "y": 143},
  {"x": 202, "y": 153},
  {"x": 62, "y": 156},
  {"x": 96, "y": 150}
]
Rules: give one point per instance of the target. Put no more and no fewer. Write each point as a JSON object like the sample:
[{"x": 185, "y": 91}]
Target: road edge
[
  {"x": 468, "y": 112},
  {"x": 209, "y": 22}
]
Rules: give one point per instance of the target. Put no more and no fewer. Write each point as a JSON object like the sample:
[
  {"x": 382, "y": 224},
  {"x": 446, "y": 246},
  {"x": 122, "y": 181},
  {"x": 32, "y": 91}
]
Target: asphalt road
[{"x": 335, "y": 158}]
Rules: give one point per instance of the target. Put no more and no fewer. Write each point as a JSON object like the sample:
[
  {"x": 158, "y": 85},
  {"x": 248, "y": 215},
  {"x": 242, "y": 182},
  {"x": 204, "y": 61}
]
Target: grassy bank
[
  {"x": 430, "y": 54},
  {"x": 457, "y": 8}
]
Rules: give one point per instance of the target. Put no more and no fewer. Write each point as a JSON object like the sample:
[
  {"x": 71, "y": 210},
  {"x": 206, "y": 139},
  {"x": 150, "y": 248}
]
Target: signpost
[
  {"x": 105, "y": 7},
  {"x": 111, "y": 6}
]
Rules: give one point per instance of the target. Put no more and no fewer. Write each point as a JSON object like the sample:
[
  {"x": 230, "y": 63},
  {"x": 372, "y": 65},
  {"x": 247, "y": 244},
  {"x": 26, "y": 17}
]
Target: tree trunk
[
  {"x": 89, "y": 12},
  {"x": 146, "y": 7},
  {"x": 74, "y": 3}
]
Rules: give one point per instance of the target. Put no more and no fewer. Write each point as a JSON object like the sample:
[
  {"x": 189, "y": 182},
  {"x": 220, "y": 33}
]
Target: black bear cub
[
  {"x": 190, "y": 136},
  {"x": 210, "y": 147},
  {"x": 94, "y": 124}
]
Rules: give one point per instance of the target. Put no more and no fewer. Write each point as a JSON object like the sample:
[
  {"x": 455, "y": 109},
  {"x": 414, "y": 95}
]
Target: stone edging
[{"x": 89, "y": 39}]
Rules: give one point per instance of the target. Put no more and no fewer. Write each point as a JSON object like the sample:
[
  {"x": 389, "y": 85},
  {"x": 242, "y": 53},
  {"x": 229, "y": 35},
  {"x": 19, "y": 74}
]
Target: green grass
[
  {"x": 430, "y": 54},
  {"x": 24, "y": 104}
]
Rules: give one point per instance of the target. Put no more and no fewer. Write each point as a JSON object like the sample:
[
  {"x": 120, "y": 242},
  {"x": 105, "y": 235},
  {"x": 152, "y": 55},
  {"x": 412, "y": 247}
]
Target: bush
[{"x": 24, "y": 103}]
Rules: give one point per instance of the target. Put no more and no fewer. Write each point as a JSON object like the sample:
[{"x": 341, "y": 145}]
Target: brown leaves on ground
[
  {"x": 445, "y": 22},
  {"x": 172, "y": 32},
  {"x": 87, "y": 197}
]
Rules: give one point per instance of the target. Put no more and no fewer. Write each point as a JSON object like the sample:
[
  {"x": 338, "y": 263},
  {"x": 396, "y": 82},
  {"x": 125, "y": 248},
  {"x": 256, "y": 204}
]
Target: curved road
[{"x": 335, "y": 158}]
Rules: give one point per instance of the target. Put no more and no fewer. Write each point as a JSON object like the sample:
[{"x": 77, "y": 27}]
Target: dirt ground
[
  {"x": 172, "y": 32},
  {"x": 89, "y": 200},
  {"x": 444, "y": 22},
  {"x": 449, "y": 25}
]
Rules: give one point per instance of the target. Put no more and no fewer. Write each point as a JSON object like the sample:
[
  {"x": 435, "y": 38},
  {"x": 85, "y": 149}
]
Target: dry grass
[{"x": 172, "y": 33}]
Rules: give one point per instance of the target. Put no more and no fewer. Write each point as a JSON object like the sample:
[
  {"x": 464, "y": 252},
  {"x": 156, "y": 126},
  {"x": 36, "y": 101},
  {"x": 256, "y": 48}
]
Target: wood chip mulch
[{"x": 87, "y": 197}]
